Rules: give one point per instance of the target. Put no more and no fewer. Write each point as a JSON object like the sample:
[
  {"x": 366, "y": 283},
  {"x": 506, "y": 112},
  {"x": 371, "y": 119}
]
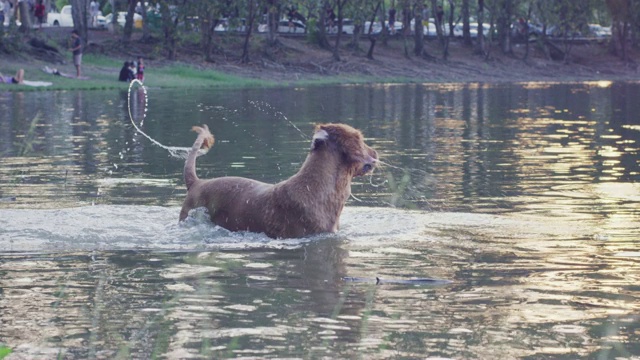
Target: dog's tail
[{"x": 203, "y": 141}]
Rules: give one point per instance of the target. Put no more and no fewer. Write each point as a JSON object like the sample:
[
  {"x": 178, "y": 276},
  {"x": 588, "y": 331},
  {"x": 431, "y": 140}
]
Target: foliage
[
  {"x": 180, "y": 22},
  {"x": 4, "y": 351}
]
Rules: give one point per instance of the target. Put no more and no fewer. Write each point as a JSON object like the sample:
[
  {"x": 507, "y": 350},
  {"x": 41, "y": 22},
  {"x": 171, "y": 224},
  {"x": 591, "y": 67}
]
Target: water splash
[
  {"x": 264, "y": 107},
  {"x": 174, "y": 151}
]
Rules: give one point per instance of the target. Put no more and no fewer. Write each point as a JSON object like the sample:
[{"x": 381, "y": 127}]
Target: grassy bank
[
  {"x": 103, "y": 74},
  {"x": 297, "y": 62}
]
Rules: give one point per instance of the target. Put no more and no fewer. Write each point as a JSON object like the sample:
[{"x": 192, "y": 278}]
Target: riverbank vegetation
[{"x": 217, "y": 43}]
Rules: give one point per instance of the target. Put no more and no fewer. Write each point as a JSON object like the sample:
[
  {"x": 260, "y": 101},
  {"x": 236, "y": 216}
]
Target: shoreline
[{"x": 302, "y": 64}]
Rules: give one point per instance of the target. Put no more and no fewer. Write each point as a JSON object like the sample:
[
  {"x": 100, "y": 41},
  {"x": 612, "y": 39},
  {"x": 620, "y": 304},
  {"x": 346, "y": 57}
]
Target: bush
[{"x": 312, "y": 30}]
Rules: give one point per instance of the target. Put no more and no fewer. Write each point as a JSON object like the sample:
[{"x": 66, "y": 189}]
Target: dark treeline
[{"x": 481, "y": 24}]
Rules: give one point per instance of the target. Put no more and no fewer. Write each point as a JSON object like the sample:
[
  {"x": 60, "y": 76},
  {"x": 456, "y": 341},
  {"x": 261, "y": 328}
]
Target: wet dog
[{"x": 309, "y": 202}]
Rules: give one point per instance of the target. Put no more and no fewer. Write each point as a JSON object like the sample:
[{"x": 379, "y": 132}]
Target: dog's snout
[{"x": 366, "y": 168}]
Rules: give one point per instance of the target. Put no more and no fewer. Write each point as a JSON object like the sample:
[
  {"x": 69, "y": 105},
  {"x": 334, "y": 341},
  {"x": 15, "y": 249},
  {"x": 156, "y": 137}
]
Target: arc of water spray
[
  {"x": 182, "y": 152},
  {"x": 175, "y": 151}
]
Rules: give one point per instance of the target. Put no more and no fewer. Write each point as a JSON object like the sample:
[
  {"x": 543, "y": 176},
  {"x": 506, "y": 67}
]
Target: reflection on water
[{"x": 524, "y": 196}]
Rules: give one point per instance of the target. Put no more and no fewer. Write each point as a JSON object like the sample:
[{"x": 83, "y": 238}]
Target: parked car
[
  {"x": 377, "y": 28},
  {"x": 599, "y": 31},
  {"x": 100, "y": 21},
  {"x": 473, "y": 30},
  {"x": 122, "y": 19},
  {"x": 298, "y": 27},
  {"x": 348, "y": 27},
  {"x": 63, "y": 18},
  {"x": 238, "y": 25}
]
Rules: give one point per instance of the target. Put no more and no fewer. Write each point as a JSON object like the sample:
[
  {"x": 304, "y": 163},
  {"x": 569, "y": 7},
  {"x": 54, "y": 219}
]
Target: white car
[
  {"x": 599, "y": 31},
  {"x": 122, "y": 19},
  {"x": 100, "y": 21},
  {"x": 238, "y": 25},
  {"x": 297, "y": 27},
  {"x": 347, "y": 27},
  {"x": 377, "y": 28},
  {"x": 63, "y": 18}
]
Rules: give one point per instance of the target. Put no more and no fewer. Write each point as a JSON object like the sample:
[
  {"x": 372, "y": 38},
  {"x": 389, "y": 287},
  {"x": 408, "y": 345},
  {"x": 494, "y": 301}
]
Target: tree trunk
[
  {"x": 25, "y": 17},
  {"x": 272, "y": 22},
  {"x": 128, "y": 25},
  {"x": 209, "y": 19},
  {"x": 355, "y": 38},
  {"x": 466, "y": 27},
  {"x": 526, "y": 40},
  {"x": 383, "y": 33},
  {"x": 145, "y": 25},
  {"x": 620, "y": 12},
  {"x": 336, "y": 48},
  {"x": 372, "y": 39},
  {"x": 114, "y": 11},
  {"x": 169, "y": 30},
  {"x": 438, "y": 18},
  {"x": 322, "y": 29},
  {"x": 504, "y": 26},
  {"x": 406, "y": 25},
  {"x": 452, "y": 8},
  {"x": 419, "y": 30},
  {"x": 247, "y": 37},
  {"x": 480, "y": 48},
  {"x": 80, "y": 14}
]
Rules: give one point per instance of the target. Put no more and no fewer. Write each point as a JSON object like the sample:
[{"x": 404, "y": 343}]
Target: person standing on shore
[
  {"x": 392, "y": 21},
  {"x": 76, "y": 48},
  {"x": 140, "y": 69},
  {"x": 94, "y": 9},
  {"x": 39, "y": 13}
]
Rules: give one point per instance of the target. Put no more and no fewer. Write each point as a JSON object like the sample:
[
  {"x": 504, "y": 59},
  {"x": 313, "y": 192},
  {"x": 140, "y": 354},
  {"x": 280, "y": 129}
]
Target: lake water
[{"x": 521, "y": 200}]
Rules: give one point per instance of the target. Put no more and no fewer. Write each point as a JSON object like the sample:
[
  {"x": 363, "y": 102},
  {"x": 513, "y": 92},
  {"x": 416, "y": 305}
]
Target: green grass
[
  {"x": 103, "y": 74},
  {"x": 4, "y": 351}
]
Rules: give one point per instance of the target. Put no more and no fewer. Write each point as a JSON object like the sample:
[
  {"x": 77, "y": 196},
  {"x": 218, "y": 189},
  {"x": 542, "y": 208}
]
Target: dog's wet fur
[{"x": 309, "y": 202}]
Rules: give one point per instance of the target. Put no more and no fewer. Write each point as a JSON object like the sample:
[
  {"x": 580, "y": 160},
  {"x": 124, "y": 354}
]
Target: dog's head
[{"x": 348, "y": 143}]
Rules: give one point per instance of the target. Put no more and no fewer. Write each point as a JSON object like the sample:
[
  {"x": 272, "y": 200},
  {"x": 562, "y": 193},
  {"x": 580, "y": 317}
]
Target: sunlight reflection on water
[{"x": 523, "y": 196}]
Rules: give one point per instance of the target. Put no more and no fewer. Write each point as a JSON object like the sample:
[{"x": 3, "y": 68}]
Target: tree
[
  {"x": 146, "y": 36},
  {"x": 210, "y": 12},
  {"x": 504, "y": 10},
  {"x": 438, "y": 16},
  {"x": 466, "y": 27},
  {"x": 340, "y": 4},
  {"x": 418, "y": 47},
  {"x": 251, "y": 16},
  {"x": 25, "y": 17},
  {"x": 80, "y": 14},
  {"x": 572, "y": 18},
  {"x": 369, "y": 31},
  {"x": 169, "y": 28},
  {"x": 481, "y": 45},
  {"x": 128, "y": 25},
  {"x": 273, "y": 17},
  {"x": 406, "y": 24},
  {"x": 620, "y": 26}
]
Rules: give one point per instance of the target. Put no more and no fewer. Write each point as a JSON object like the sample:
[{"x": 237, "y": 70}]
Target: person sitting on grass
[
  {"x": 126, "y": 73},
  {"x": 17, "y": 79}
]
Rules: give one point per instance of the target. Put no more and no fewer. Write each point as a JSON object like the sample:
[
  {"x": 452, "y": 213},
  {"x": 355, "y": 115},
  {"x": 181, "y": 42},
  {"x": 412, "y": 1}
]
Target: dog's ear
[{"x": 319, "y": 138}]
